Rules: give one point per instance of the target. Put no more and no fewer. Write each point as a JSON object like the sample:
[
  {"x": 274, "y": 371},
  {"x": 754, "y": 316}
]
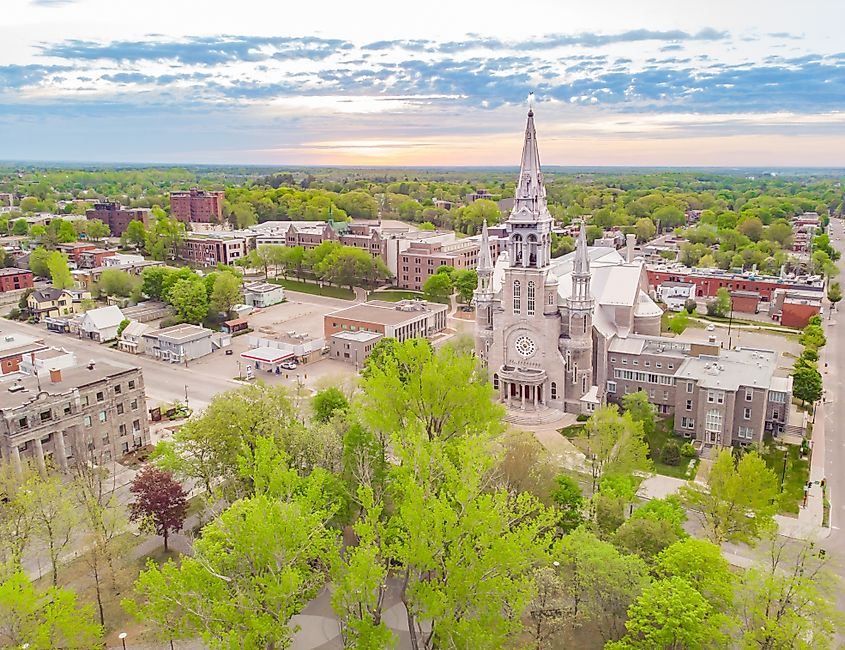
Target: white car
[
  {"x": 711, "y": 327},
  {"x": 289, "y": 365}
]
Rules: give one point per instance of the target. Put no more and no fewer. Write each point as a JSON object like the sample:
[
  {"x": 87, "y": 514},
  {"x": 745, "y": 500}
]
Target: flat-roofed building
[
  {"x": 401, "y": 320},
  {"x": 13, "y": 279},
  {"x": 117, "y": 217},
  {"x": 353, "y": 347},
  {"x": 263, "y": 294},
  {"x": 211, "y": 250},
  {"x": 94, "y": 413},
  {"x": 196, "y": 205},
  {"x": 14, "y": 348},
  {"x": 179, "y": 343}
]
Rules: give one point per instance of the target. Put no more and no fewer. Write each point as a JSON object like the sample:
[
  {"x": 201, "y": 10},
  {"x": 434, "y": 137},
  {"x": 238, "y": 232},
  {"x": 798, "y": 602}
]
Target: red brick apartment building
[
  {"x": 707, "y": 284},
  {"x": 420, "y": 260},
  {"x": 211, "y": 251},
  {"x": 199, "y": 206},
  {"x": 74, "y": 250},
  {"x": 117, "y": 217},
  {"x": 12, "y": 279}
]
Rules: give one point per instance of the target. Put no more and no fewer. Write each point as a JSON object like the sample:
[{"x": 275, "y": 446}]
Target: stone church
[{"x": 544, "y": 327}]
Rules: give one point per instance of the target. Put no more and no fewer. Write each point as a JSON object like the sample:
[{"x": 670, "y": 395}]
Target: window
[
  {"x": 775, "y": 414},
  {"x": 714, "y": 421},
  {"x": 624, "y": 361},
  {"x": 689, "y": 405},
  {"x": 87, "y": 420},
  {"x": 517, "y": 297},
  {"x": 749, "y": 394},
  {"x": 687, "y": 423},
  {"x": 84, "y": 400},
  {"x": 551, "y": 298},
  {"x": 635, "y": 362},
  {"x": 106, "y": 439},
  {"x": 613, "y": 359},
  {"x": 715, "y": 397},
  {"x": 647, "y": 364},
  {"x": 125, "y": 447},
  {"x": 745, "y": 433},
  {"x": 46, "y": 415},
  {"x": 659, "y": 364},
  {"x": 117, "y": 389},
  {"x": 136, "y": 425},
  {"x": 100, "y": 396},
  {"x": 122, "y": 429},
  {"x": 67, "y": 409},
  {"x": 665, "y": 395},
  {"x": 102, "y": 416},
  {"x": 611, "y": 387},
  {"x": 496, "y": 381},
  {"x": 746, "y": 413},
  {"x": 554, "y": 390},
  {"x": 23, "y": 423},
  {"x": 131, "y": 384},
  {"x": 531, "y": 298},
  {"x": 689, "y": 386}
]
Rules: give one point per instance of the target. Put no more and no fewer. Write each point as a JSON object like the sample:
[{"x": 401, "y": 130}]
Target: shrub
[
  {"x": 582, "y": 418},
  {"x": 687, "y": 450},
  {"x": 690, "y": 305},
  {"x": 170, "y": 320},
  {"x": 671, "y": 453}
]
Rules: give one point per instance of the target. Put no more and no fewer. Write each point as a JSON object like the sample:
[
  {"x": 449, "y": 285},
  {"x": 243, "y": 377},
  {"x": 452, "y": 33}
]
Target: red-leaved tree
[{"x": 159, "y": 499}]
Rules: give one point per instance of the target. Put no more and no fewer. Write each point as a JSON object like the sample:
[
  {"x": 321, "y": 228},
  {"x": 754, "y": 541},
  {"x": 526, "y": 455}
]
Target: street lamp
[{"x": 122, "y": 637}]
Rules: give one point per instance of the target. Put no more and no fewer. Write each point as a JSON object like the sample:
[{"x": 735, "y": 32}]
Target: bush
[
  {"x": 687, "y": 450},
  {"x": 582, "y": 418},
  {"x": 690, "y": 305},
  {"x": 671, "y": 453},
  {"x": 15, "y": 314},
  {"x": 170, "y": 320}
]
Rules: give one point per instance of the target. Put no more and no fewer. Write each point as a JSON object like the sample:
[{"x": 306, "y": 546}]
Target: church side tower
[
  {"x": 484, "y": 297},
  {"x": 578, "y": 348}
]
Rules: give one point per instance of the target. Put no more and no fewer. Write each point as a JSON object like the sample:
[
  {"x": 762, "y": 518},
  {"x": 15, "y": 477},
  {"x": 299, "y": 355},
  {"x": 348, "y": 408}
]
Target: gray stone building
[{"x": 93, "y": 413}]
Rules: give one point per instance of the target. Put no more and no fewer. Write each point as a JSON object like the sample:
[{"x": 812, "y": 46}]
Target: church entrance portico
[{"x": 522, "y": 389}]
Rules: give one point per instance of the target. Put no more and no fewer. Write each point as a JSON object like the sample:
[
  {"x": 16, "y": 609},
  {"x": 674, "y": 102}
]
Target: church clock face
[{"x": 525, "y": 346}]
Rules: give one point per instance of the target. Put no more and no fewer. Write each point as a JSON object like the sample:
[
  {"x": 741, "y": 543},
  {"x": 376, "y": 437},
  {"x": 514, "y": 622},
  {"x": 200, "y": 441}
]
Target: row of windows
[
  {"x": 644, "y": 377},
  {"x": 647, "y": 364}
]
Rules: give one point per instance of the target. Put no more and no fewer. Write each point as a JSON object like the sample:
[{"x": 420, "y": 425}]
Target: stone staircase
[{"x": 542, "y": 416}]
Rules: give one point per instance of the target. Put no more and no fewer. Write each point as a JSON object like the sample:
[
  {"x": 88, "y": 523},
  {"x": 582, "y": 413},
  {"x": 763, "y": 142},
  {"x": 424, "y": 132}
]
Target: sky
[{"x": 436, "y": 82}]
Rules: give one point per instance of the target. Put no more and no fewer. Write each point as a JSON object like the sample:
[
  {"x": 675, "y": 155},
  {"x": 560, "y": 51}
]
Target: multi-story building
[
  {"x": 12, "y": 279},
  {"x": 178, "y": 344},
  {"x": 15, "y": 348},
  {"x": 117, "y": 217},
  {"x": 74, "y": 251},
  {"x": 94, "y": 257},
  {"x": 196, "y": 205},
  {"x": 420, "y": 260},
  {"x": 79, "y": 414},
  {"x": 263, "y": 294},
  {"x": 87, "y": 278},
  {"x": 709, "y": 281},
  {"x": 675, "y": 294},
  {"x": 795, "y": 308},
  {"x": 401, "y": 320},
  {"x": 572, "y": 333},
  {"x": 210, "y": 250}
]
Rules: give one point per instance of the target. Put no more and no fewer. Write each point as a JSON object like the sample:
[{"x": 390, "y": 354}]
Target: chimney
[
  {"x": 630, "y": 242},
  {"x": 55, "y": 375}
]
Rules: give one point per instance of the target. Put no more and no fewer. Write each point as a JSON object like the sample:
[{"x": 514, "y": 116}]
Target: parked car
[
  {"x": 711, "y": 327},
  {"x": 289, "y": 365}
]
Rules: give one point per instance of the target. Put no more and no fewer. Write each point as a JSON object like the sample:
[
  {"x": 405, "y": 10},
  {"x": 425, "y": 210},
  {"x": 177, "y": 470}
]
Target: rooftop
[
  {"x": 13, "y": 271},
  {"x": 360, "y": 336},
  {"x": 180, "y": 333},
  {"x": 387, "y": 313},
  {"x": 731, "y": 369},
  {"x": 267, "y": 354}
]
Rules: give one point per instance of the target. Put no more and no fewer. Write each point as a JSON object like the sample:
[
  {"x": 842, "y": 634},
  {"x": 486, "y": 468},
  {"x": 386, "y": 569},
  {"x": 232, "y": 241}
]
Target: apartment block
[
  {"x": 421, "y": 259},
  {"x": 65, "y": 415},
  {"x": 12, "y": 279},
  {"x": 117, "y": 217},
  {"x": 197, "y": 206},
  {"x": 210, "y": 251}
]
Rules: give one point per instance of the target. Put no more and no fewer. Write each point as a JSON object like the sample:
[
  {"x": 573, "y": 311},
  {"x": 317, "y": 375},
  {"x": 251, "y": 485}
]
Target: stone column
[
  {"x": 16, "y": 459},
  {"x": 522, "y": 388},
  {"x": 39, "y": 457},
  {"x": 60, "y": 450},
  {"x": 534, "y": 390}
]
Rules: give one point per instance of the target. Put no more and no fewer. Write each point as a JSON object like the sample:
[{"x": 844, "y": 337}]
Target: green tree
[
  {"x": 189, "y": 299},
  {"x": 38, "y": 262},
  {"x": 834, "y": 294},
  {"x": 114, "y": 282},
  {"x": 739, "y": 501},
  {"x": 97, "y": 230},
  {"x": 668, "y": 615},
  {"x": 465, "y": 282},
  {"x": 123, "y": 325},
  {"x": 438, "y": 287},
  {"x": 60, "y": 274},
  {"x": 20, "y": 228},
  {"x": 813, "y": 337},
  {"x": 243, "y": 215},
  {"x": 721, "y": 304},
  {"x": 702, "y": 565},
  {"x": 641, "y": 410},
  {"x": 135, "y": 234},
  {"x": 226, "y": 293},
  {"x": 807, "y": 384},
  {"x": 652, "y": 528},
  {"x": 679, "y": 322},
  {"x": 644, "y": 229},
  {"x": 42, "y": 621},
  {"x": 570, "y": 503},
  {"x": 614, "y": 444},
  {"x": 327, "y": 403}
]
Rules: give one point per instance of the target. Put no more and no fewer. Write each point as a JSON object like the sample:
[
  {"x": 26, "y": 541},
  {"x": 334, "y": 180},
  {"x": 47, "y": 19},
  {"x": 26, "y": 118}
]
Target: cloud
[{"x": 52, "y": 3}]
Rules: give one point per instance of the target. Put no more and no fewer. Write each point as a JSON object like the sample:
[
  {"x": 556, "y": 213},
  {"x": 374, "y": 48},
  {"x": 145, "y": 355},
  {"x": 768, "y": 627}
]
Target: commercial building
[
  {"x": 15, "y": 348},
  {"x": 211, "y": 250},
  {"x": 263, "y": 294},
  {"x": 746, "y": 302},
  {"x": 132, "y": 338},
  {"x": 581, "y": 330},
  {"x": 13, "y": 279},
  {"x": 400, "y": 320},
  {"x": 795, "y": 308},
  {"x": 675, "y": 294},
  {"x": 94, "y": 413},
  {"x": 708, "y": 281},
  {"x": 353, "y": 347},
  {"x": 195, "y": 205},
  {"x": 117, "y": 217},
  {"x": 178, "y": 344},
  {"x": 94, "y": 257},
  {"x": 74, "y": 251},
  {"x": 101, "y": 324}
]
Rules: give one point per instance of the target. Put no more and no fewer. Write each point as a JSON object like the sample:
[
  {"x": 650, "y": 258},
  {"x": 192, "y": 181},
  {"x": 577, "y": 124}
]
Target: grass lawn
[
  {"x": 394, "y": 295},
  {"x": 316, "y": 289},
  {"x": 662, "y": 434},
  {"x": 797, "y": 473}
]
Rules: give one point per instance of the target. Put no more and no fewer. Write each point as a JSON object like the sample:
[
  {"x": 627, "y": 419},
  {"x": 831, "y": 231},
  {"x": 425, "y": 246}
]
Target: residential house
[
  {"x": 50, "y": 302},
  {"x": 101, "y": 324},
  {"x": 132, "y": 338}
]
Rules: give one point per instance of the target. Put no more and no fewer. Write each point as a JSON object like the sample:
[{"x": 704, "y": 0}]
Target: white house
[
  {"x": 132, "y": 337},
  {"x": 101, "y": 324},
  {"x": 263, "y": 294},
  {"x": 675, "y": 294}
]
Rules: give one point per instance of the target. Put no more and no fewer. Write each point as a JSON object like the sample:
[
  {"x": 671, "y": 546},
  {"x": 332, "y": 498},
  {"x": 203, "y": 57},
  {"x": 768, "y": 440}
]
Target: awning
[{"x": 267, "y": 355}]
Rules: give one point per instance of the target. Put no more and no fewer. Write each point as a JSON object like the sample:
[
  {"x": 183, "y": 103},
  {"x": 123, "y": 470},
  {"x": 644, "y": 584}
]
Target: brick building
[
  {"x": 12, "y": 279},
  {"x": 709, "y": 281},
  {"x": 117, "y": 217},
  {"x": 199, "y": 206},
  {"x": 401, "y": 320},
  {"x": 747, "y": 302},
  {"x": 207, "y": 250},
  {"x": 83, "y": 413},
  {"x": 420, "y": 260},
  {"x": 74, "y": 250},
  {"x": 794, "y": 308},
  {"x": 94, "y": 257}
]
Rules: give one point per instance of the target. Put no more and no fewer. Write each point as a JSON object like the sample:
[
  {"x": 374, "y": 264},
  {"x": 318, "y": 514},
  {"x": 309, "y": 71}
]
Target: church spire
[
  {"x": 582, "y": 258},
  {"x": 530, "y": 184},
  {"x": 485, "y": 262}
]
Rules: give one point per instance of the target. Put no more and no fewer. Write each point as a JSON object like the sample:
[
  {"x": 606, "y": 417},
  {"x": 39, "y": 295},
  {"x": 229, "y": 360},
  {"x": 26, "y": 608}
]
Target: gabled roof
[
  {"x": 136, "y": 328},
  {"x": 103, "y": 317},
  {"x": 50, "y": 293}
]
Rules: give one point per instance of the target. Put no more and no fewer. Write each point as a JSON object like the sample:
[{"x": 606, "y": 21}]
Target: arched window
[
  {"x": 551, "y": 297},
  {"x": 517, "y": 297},
  {"x": 554, "y": 390},
  {"x": 496, "y": 381},
  {"x": 531, "y": 298}
]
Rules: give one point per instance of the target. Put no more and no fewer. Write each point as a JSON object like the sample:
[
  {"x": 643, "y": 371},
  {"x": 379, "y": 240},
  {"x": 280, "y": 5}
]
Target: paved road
[{"x": 164, "y": 382}]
